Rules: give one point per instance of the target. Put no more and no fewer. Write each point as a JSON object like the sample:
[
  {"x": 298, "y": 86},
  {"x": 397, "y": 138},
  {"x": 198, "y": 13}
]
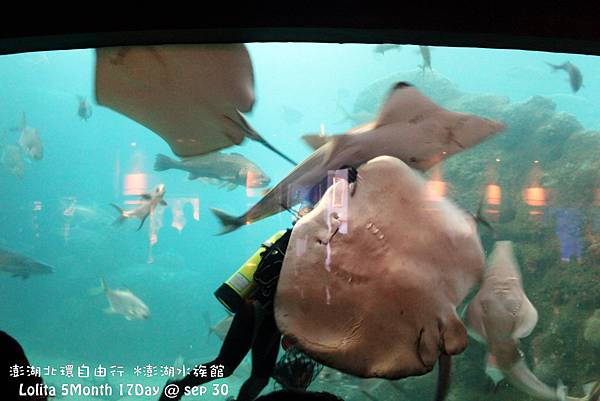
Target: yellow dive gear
[{"x": 241, "y": 283}]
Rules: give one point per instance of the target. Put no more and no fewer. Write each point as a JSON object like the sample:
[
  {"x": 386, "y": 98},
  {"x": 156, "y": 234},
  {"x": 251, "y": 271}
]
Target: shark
[{"x": 409, "y": 127}]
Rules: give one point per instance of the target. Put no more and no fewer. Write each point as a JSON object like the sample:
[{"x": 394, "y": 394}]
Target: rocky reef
[
  {"x": 547, "y": 167},
  {"x": 592, "y": 329}
]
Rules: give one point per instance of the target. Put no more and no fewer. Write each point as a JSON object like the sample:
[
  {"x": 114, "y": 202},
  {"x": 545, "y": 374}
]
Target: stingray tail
[
  {"x": 255, "y": 136},
  {"x": 162, "y": 163},
  {"x": 122, "y": 217},
  {"x": 229, "y": 223},
  {"x": 444, "y": 373}
]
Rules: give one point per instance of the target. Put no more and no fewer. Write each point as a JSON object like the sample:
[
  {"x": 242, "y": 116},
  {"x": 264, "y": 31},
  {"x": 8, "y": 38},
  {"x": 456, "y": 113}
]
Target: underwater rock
[{"x": 592, "y": 329}]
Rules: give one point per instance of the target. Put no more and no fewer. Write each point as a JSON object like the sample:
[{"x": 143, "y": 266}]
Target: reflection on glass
[
  {"x": 178, "y": 213},
  {"x": 135, "y": 184},
  {"x": 535, "y": 195}
]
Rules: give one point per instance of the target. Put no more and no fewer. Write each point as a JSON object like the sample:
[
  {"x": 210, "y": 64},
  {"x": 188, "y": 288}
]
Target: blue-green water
[{"x": 55, "y": 317}]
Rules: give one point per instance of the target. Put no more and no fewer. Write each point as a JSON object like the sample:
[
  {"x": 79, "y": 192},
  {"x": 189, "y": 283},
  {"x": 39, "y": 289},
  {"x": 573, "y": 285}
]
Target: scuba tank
[{"x": 241, "y": 283}]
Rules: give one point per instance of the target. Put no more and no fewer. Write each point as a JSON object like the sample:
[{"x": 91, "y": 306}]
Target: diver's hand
[{"x": 172, "y": 391}]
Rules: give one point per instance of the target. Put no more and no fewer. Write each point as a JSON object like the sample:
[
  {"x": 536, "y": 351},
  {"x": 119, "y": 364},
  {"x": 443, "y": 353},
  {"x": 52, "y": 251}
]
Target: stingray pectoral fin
[
  {"x": 229, "y": 223},
  {"x": 454, "y": 335},
  {"x": 527, "y": 319},
  {"x": 428, "y": 349},
  {"x": 255, "y": 136},
  {"x": 465, "y": 131},
  {"x": 110, "y": 311}
]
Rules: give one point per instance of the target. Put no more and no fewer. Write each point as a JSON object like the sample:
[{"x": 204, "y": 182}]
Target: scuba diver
[
  {"x": 253, "y": 326},
  {"x": 249, "y": 293}
]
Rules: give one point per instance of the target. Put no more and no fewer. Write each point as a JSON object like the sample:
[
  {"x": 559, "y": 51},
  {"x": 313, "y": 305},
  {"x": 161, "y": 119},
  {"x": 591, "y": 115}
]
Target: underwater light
[
  {"x": 493, "y": 194},
  {"x": 135, "y": 184},
  {"x": 535, "y": 196}
]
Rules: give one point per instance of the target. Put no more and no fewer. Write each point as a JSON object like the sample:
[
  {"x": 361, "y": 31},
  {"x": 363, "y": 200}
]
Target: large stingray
[
  {"x": 501, "y": 314},
  {"x": 190, "y": 95},
  {"x": 410, "y": 127},
  {"x": 378, "y": 298}
]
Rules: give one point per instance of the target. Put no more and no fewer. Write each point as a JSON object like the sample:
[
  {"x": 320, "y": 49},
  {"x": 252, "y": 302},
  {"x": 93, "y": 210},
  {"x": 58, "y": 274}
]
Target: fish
[
  {"x": 85, "y": 110},
  {"x": 221, "y": 328},
  {"x": 384, "y": 47},
  {"x": 410, "y": 127},
  {"x": 232, "y": 169},
  {"x": 30, "y": 141},
  {"x": 12, "y": 160},
  {"x": 426, "y": 55},
  {"x": 500, "y": 315},
  {"x": 575, "y": 76},
  {"x": 124, "y": 302},
  {"x": 22, "y": 266},
  {"x": 192, "y": 96},
  {"x": 148, "y": 204}
]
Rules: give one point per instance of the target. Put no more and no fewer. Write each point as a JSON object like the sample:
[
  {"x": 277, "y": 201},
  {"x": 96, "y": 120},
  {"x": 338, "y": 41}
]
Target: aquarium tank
[{"x": 376, "y": 221}]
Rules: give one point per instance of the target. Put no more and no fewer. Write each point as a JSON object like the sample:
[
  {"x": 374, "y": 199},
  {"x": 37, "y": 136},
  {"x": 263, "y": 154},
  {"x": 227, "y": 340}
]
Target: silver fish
[
  {"x": 149, "y": 203},
  {"x": 228, "y": 169},
  {"x": 410, "y": 127},
  {"x": 221, "y": 328},
  {"x": 21, "y": 266},
  {"x": 125, "y": 302}
]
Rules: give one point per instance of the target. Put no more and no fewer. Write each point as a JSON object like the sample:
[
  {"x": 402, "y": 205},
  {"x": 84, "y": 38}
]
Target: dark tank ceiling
[{"x": 568, "y": 27}]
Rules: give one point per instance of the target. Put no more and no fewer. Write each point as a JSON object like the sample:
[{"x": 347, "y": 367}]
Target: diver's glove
[{"x": 169, "y": 388}]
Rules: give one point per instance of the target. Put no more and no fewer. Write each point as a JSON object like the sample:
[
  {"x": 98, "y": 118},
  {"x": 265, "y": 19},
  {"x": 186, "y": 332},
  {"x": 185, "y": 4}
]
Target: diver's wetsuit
[{"x": 253, "y": 327}]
